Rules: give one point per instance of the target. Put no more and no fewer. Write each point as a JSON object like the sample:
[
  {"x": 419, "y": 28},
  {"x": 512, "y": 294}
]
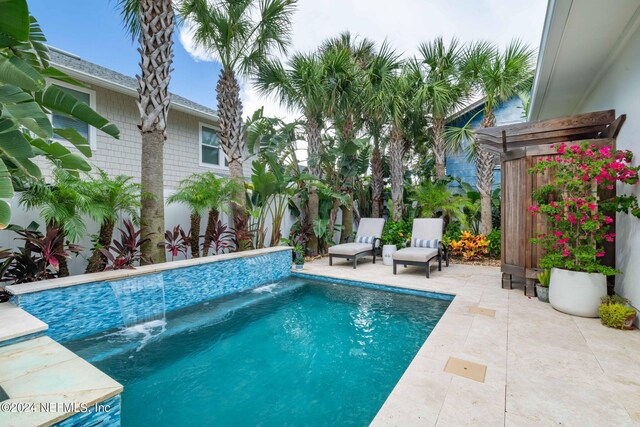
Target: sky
[{"x": 92, "y": 29}]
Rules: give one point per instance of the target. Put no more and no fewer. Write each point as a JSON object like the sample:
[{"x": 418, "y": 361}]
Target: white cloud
[{"x": 405, "y": 23}]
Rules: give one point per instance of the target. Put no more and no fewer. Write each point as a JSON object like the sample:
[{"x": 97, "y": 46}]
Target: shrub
[
  {"x": 298, "y": 252},
  {"x": 545, "y": 278},
  {"x": 396, "y": 232},
  {"x": 40, "y": 257},
  {"x": 470, "y": 246},
  {"x": 124, "y": 253},
  {"x": 578, "y": 225},
  {"x": 614, "y": 311},
  {"x": 495, "y": 242},
  {"x": 176, "y": 242}
]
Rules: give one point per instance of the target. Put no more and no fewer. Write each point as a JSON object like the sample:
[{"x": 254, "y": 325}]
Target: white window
[
  {"x": 211, "y": 153},
  {"x": 63, "y": 122}
]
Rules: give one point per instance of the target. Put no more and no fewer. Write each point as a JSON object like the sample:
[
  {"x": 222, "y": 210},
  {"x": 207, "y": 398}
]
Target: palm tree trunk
[
  {"x": 195, "y": 235},
  {"x": 333, "y": 217},
  {"x": 152, "y": 186},
  {"x": 347, "y": 217},
  {"x": 156, "y": 56},
  {"x": 98, "y": 262},
  {"x": 313, "y": 135},
  {"x": 232, "y": 139},
  {"x": 397, "y": 174},
  {"x": 485, "y": 162},
  {"x": 377, "y": 179},
  {"x": 439, "y": 150},
  {"x": 212, "y": 221},
  {"x": 347, "y": 134}
]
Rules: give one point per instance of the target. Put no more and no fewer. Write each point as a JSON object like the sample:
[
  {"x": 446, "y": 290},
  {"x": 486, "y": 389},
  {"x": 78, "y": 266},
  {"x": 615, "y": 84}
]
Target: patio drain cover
[
  {"x": 484, "y": 311},
  {"x": 466, "y": 369}
]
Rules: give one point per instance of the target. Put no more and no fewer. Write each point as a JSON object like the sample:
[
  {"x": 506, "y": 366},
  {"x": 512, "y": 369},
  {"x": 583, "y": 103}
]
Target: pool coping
[
  {"x": 80, "y": 279},
  {"x": 379, "y": 286}
]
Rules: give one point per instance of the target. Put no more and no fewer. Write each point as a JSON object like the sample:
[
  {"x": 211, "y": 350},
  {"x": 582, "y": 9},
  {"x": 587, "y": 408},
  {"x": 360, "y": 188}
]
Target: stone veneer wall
[
  {"x": 96, "y": 418},
  {"x": 77, "y": 311}
]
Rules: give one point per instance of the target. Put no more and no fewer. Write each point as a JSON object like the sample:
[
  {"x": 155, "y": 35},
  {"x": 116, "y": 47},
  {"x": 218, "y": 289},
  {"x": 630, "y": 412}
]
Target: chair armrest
[
  {"x": 443, "y": 248},
  {"x": 373, "y": 245}
]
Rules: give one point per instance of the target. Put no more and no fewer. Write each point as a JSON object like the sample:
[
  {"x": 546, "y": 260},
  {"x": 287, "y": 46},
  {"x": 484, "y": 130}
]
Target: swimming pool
[{"x": 297, "y": 352}]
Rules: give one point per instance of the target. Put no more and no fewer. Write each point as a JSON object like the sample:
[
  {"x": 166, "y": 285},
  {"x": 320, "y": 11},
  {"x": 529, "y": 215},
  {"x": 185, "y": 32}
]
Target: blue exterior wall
[
  {"x": 457, "y": 164},
  {"x": 77, "y": 311}
]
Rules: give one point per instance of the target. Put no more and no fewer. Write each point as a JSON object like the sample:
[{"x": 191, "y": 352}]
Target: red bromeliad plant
[{"x": 577, "y": 218}]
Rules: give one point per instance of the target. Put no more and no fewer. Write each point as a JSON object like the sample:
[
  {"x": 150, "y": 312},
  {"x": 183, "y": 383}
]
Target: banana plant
[{"x": 26, "y": 101}]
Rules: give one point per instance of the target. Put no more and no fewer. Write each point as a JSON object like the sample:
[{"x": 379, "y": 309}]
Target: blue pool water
[{"x": 299, "y": 352}]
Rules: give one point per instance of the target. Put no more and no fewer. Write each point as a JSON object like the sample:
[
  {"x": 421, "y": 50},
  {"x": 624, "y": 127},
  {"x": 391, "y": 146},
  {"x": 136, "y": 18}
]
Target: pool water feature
[{"x": 297, "y": 352}]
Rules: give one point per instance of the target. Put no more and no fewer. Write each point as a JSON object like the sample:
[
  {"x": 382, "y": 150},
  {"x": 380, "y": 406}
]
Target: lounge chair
[
  {"x": 366, "y": 243},
  {"x": 424, "y": 246}
]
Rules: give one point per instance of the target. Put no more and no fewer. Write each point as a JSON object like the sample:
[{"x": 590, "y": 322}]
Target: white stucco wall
[{"x": 619, "y": 88}]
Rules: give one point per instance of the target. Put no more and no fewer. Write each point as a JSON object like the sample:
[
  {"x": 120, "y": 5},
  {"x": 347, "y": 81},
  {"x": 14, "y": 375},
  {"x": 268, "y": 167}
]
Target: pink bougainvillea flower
[
  {"x": 558, "y": 233},
  {"x": 608, "y": 219},
  {"x": 566, "y": 253},
  {"x": 563, "y": 241},
  {"x": 600, "y": 254}
]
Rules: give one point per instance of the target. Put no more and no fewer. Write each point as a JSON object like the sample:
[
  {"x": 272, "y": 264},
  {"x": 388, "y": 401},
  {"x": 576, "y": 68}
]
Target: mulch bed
[{"x": 486, "y": 262}]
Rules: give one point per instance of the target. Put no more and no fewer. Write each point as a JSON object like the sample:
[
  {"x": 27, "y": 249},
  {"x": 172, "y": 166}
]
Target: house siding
[
  {"x": 618, "y": 89},
  {"x": 457, "y": 164},
  {"x": 123, "y": 156}
]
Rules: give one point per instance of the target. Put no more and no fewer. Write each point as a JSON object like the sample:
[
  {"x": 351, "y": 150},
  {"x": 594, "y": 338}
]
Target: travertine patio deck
[{"x": 543, "y": 367}]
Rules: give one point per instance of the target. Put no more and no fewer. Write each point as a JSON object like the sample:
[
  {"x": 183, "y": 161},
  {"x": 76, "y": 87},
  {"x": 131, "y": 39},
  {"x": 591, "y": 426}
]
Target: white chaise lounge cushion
[
  {"x": 415, "y": 254},
  {"x": 349, "y": 248},
  {"x": 370, "y": 227}
]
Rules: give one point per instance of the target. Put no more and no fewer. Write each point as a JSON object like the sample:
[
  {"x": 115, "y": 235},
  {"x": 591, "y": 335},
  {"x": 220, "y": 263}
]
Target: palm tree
[
  {"x": 445, "y": 87},
  {"x": 116, "y": 196},
  {"x": 436, "y": 199},
  {"x": 345, "y": 58},
  {"x": 240, "y": 34},
  {"x": 498, "y": 76},
  {"x": 152, "y": 21},
  {"x": 378, "y": 81},
  {"x": 61, "y": 205},
  {"x": 220, "y": 193},
  {"x": 193, "y": 192},
  {"x": 399, "y": 104},
  {"x": 300, "y": 87}
]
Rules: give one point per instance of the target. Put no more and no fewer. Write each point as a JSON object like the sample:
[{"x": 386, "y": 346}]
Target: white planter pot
[
  {"x": 387, "y": 254},
  {"x": 576, "y": 293}
]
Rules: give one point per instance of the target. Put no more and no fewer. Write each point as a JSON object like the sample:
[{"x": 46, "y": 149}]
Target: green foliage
[
  {"x": 240, "y": 34},
  {"x": 299, "y": 255},
  {"x": 396, "y": 233},
  {"x": 614, "y": 311},
  {"x": 452, "y": 232},
  {"x": 545, "y": 278},
  {"x": 495, "y": 242},
  {"x": 437, "y": 200},
  {"x": 117, "y": 195},
  {"x": 62, "y": 203},
  {"x": 202, "y": 191},
  {"x": 26, "y": 102}
]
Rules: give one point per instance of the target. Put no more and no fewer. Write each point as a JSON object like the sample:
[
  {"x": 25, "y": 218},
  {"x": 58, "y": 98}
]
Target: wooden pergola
[{"x": 520, "y": 146}]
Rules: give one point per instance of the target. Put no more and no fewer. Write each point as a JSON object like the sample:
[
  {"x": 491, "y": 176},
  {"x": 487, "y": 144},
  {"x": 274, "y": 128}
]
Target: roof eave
[
  {"x": 554, "y": 25},
  {"x": 116, "y": 87}
]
